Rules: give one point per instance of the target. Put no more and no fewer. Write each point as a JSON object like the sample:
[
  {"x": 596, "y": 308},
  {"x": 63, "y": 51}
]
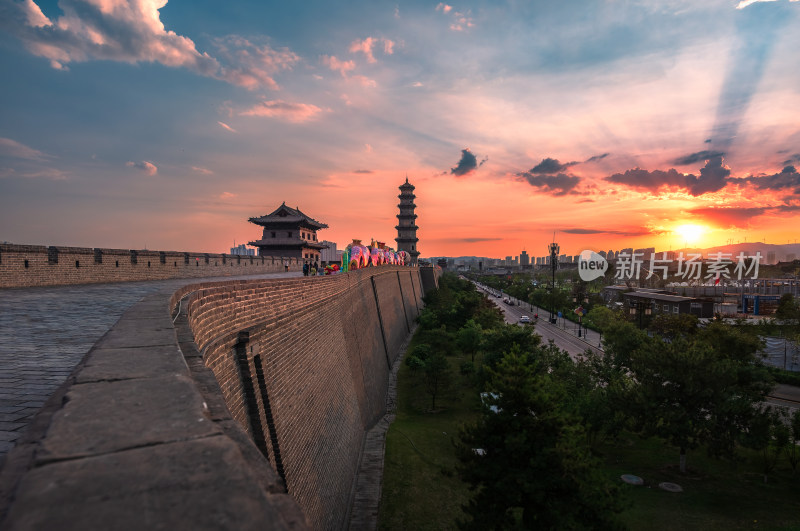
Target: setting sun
[{"x": 690, "y": 233}]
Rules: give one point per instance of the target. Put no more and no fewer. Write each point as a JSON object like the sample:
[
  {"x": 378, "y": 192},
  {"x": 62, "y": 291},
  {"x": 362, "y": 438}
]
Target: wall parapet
[
  {"x": 39, "y": 265},
  {"x": 204, "y": 418}
]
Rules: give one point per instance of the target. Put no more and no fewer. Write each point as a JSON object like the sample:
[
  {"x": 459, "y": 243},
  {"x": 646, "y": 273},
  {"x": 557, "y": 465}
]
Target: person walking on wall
[{"x": 305, "y": 269}]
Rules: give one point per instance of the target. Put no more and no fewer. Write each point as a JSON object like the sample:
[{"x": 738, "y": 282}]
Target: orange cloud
[{"x": 292, "y": 112}]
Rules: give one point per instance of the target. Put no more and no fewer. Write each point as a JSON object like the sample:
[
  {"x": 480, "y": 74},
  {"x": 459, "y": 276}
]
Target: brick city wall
[
  {"x": 37, "y": 265},
  {"x": 303, "y": 365}
]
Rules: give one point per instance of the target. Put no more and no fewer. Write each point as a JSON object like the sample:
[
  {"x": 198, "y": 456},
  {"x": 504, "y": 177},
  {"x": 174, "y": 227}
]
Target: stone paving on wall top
[{"x": 46, "y": 331}]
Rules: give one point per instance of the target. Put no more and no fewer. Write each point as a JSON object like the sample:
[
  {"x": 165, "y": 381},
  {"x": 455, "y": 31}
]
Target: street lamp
[
  {"x": 554, "y": 250},
  {"x": 642, "y": 308}
]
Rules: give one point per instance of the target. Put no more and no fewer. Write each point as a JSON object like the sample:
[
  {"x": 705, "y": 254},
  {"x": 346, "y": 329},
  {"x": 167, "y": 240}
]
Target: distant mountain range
[{"x": 781, "y": 250}]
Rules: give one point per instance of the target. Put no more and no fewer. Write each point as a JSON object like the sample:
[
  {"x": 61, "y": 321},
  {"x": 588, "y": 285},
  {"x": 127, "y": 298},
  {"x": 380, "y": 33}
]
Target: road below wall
[
  {"x": 46, "y": 331},
  {"x": 565, "y": 337},
  {"x": 564, "y": 334}
]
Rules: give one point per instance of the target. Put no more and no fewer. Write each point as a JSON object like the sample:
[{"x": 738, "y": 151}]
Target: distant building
[
  {"x": 524, "y": 259},
  {"x": 653, "y": 303},
  {"x": 407, "y": 222},
  {"x": 242, "y": 250},
  {"x": 330, "y": 254},
  {"x": 289, "y": 233}
]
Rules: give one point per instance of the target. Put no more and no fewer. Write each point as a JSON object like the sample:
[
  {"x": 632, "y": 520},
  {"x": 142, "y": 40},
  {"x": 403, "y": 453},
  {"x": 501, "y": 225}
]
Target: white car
[{"x": 525, "y": 319}]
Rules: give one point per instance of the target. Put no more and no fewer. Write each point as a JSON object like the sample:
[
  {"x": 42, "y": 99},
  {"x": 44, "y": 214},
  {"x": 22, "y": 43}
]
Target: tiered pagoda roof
[{"x": 285, "y": 215}]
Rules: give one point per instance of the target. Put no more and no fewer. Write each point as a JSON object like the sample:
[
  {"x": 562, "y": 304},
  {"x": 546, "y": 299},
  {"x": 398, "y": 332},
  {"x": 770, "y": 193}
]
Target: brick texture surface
[
  {"x": 37, "y": 265},
  {"x": 323, "y": 346}
]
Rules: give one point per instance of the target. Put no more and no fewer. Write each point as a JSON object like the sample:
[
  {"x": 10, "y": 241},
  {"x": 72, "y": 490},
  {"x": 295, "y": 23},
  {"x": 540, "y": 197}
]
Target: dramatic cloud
[
  {"x": 786, "y": 178},
  {"x": 794, "y": 159},
  {"x": 12, "y": 148},
  {"x": 145, "y": 166},
  {"x": 757, "y": 30},
  {"x": 728, "y": 217},
  {"x": 557, "y": 185},
  {"x": 694, "y": 158},
  {"x": 467, "y": 164},
  {"x": 367, "y": 45},
  {"x": 713, "y": 177},
  {"x": 291, "y": 112},
  {"x": 227, "y": 127},
  {"x": 132, "y": 32},
  {"x": 550, "y": 166}
]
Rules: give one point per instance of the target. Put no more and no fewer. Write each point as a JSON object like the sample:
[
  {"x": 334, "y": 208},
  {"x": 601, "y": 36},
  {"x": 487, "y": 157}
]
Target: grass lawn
[
  {"x": 422, "y": 491},
  {"x": 420, "y": 487}
]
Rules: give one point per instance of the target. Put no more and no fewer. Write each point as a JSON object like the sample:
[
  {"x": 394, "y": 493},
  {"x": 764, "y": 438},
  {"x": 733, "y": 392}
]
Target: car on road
[
  {"x": 525, "y": 319},
  {"x": 507, "y": 300}
]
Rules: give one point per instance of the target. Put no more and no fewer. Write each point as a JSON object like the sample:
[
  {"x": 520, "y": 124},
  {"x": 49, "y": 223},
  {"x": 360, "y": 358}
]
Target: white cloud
[
  {"x": 204, "y": 171},
  {"x": 12, "y": 148},
  {"x": 132, "y": 31},
  {"x": 227, "y": 127},
  {"x": 144, "y": 166},
  {"x": 227, "y": 195},
  {"x": 34, "y": 15},
  {"x": 744, "y": 3},
  {"x": 291, "y": 112}
]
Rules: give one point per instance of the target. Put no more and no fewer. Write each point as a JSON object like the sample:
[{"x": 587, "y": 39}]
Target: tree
[
  {"x": 437, "y": 376},
  {"x": 769, "y": 435},
  {"x": 601, "y": 317},
  {"x": 499, "y": 341},
  {"x": 793, "y": 449},
  {"x": 670, "y": 326},
  {"x": 787, "y": 307},
  {"x": 528, "y": 455},
  {"x": 469, "y": 338},
  {"x": 700, "y": 390}
]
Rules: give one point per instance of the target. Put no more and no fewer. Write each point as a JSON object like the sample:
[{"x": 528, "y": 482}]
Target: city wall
[
  {"x": 201, "y": 408},
  {"x": 304, "y": 366},
  {"x": 38, "y": 265}
]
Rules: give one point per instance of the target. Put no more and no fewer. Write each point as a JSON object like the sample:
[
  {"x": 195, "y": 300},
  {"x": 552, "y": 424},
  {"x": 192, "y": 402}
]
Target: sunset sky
[{"x": 147, "y": 124}]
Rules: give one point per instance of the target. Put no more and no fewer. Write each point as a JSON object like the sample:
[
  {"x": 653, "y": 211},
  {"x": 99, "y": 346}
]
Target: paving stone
[
  {"x": 125, "y": 414},
  {"x": 46, "y": 331},
  {"x": 127, "y": 363},
  {"x": 200, "y": 484},
  {"x": 9, "y": 436}
]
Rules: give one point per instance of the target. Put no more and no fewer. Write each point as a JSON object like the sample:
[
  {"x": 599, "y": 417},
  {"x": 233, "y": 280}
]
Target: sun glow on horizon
[{"x": 690, "y": 233}]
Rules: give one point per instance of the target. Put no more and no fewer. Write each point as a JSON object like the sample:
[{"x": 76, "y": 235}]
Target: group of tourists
[{"x": 312, "y": 269}]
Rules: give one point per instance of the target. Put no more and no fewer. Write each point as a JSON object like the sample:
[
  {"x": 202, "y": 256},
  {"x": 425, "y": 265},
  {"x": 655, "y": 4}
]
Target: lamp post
[
  {"x": 554, "y": 249},
  {"x": 641, "y": 308}
]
